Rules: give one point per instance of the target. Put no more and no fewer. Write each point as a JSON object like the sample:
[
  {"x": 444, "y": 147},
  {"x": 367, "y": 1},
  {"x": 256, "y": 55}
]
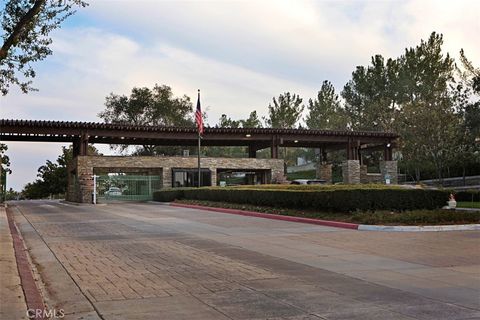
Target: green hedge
[
  {"x": 467, "y": 195},
  {"x": 337, "y": 200}
]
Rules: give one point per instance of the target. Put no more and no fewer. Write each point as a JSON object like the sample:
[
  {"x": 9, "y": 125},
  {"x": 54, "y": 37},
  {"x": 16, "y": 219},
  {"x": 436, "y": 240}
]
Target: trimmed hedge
[
  {"x": 467, "y": 195},
  {"x": 336, "y": 200}
]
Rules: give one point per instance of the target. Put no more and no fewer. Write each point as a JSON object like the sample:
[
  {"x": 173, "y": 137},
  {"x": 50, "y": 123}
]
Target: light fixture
[
  {"x": 388, "y": 145},
  {"x": 296, "y": 141},
  {"x": 248, "y": 135}
]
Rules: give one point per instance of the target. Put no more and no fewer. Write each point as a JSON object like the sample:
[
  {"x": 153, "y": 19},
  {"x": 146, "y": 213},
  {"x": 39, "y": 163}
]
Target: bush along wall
[
  {"x": 341, "y": 200},
  {"x": 467, "y": 195}
]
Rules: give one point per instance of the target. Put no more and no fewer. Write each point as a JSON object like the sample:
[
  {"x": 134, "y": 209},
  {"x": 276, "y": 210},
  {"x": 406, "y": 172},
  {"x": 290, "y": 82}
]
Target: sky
[{"x": 239, "y": 53}]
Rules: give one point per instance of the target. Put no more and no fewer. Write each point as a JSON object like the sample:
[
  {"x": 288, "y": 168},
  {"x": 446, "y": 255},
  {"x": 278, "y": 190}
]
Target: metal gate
[{"x": 127, "y": 187}]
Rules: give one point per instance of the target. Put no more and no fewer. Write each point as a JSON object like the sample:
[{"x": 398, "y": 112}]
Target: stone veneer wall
[
  {"x": 366, "y": 177},
  {"x": 324, "y": 172},
  {"x": 389, "y": 167},
  {"x": 80, "y": 186},
  {"x": 351, "y": 171}
]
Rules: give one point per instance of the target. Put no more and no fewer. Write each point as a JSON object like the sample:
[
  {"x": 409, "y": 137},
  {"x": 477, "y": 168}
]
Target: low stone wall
[
  {"x": 366, "y": 177},
  {"x": 82, "y": 168}
]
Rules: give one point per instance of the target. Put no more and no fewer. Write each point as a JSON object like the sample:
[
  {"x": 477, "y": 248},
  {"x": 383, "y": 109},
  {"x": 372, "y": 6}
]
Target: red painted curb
[
  {"x": 328, "y": 223},
  {"x": 32, "y": 294}
]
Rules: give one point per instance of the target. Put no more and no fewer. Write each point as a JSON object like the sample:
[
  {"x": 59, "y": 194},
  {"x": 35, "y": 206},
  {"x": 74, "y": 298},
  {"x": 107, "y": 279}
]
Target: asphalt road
[{"x": 149, "y": 261}]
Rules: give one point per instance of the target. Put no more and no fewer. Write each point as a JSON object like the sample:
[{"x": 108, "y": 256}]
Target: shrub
[
  {"x": 344, "y": 199},
  {"x": 168, "y": 195},
  {"x": 467, "y": 195}
]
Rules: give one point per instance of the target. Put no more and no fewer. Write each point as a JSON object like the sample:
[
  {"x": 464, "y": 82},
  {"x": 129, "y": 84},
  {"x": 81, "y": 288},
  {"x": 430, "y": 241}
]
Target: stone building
[{"x": 160, "y": 172}]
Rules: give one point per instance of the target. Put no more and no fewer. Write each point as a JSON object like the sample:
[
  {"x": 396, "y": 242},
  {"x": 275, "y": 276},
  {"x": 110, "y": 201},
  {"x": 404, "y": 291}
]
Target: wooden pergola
[{"x": 83, "y": 133}]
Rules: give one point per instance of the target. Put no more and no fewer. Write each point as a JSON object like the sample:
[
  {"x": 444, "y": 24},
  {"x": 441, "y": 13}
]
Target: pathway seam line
[{"x": 33, "y": 296}]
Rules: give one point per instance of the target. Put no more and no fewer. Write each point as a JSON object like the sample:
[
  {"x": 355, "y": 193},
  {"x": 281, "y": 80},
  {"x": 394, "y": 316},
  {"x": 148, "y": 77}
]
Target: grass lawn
[
  {"x": 415, "y": 217},
  {"x": 468, "y": 204}
]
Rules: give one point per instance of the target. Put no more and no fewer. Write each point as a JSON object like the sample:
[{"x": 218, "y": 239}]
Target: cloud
[{"x": 239, "y": 53}]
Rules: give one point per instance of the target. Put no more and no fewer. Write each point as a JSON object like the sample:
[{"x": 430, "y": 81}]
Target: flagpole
[
  {"x": 199, "y": 168},
  {"x": 199, "y": 147}
]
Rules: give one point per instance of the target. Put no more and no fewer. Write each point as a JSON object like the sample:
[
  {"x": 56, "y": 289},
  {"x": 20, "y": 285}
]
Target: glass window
[{"x": 189, "y": 178}]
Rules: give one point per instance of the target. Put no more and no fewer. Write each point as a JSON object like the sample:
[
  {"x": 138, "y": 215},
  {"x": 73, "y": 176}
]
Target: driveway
[{"x": 151, "y": 261}]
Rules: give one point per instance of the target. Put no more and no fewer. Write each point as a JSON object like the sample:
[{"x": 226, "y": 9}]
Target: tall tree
[
  {"x": 53, "y": 175},
  {"x": 285, "y": 111},
  {"x": 4, "y": 170},
  {"x": 371, "y": 97},
  {"x": 429, "y": 123},
  {"x": 227, "y": 122},
  {"x": 326, "y": 112},
  {"x": 26, "y": 26},
  {"x": 252, "y": 121},
  {"x": 144, "y": 106}
]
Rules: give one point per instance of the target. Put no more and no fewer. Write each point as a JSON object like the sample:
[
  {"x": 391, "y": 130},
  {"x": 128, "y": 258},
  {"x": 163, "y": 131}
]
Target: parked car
[
  {"x": 309, "y": 181},
  {"x": 113, "y": 191}
]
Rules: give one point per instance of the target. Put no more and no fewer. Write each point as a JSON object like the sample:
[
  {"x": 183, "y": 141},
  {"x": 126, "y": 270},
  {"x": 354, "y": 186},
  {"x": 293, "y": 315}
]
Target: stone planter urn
[{"x": 452, "y": 204}]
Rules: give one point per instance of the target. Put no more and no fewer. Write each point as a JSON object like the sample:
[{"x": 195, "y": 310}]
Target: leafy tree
[
  {"x": 285, "y": 111},
  {"x": 252, "y": 121},
  {"x": 227, "y": 122},
  {"x": 154, "y": 107},
  {"x": 4, "y": 170},
  {"x": 26, "y": 26},
  {"x": 428, "y": 125},
  {"x": 471, "y": 75},
  {"x": 52, "y": 176},
  {"x": 371, "y": 96},
  {"x": 326, "y": 112}
]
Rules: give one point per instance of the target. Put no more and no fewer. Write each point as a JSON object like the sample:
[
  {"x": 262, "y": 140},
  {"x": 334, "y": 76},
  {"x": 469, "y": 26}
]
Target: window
[{"x": 189, "y": 178}]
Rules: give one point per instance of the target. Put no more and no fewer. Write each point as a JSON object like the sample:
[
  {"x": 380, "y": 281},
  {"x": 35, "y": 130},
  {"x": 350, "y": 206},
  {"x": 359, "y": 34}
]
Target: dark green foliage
[
  {"x": 468, "y": 195},
  {"x": 414, "y": 217},
  {"x": 285, "y": 111},
  {"x": 168, "y": 195},
  {"x": 152, "y": 107},
  {"x": 345, "y": 199},
  {"x": 26, "y": 27},
  {"x": 310, "y": 174},
  {"x": 52, "y": 176}
]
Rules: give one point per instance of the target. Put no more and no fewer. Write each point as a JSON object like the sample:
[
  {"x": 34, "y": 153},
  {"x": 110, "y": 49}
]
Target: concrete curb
[
  {"x": 457, "y": 227},
  {"x": 336, "y": 224},
  {"x": 32, "y": 294},
  {"x": 328, "y": 223}
]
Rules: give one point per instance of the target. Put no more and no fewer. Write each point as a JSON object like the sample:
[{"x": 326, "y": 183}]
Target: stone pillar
[
  {"x": 167, "y": 177},
  {"x": 390, "y": 168},
  {"x": 351, "y": 171},
  {"x": 213, "y": 176},
  {"x": 324, "y": 172}
]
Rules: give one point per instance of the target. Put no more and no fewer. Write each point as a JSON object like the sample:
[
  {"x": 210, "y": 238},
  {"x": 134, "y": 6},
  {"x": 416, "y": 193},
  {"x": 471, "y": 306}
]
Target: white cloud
[{"x": 240, "y": 53}]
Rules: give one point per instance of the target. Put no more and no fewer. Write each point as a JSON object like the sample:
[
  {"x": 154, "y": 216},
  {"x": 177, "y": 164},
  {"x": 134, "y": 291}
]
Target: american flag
[{"x": 198, "y": 116}]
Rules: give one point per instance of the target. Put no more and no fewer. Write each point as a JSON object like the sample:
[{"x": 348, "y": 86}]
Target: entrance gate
[{"x": 127, "y": 187}]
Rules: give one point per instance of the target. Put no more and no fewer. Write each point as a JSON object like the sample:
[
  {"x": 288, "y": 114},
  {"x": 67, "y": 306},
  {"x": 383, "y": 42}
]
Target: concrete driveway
[{"x": 148, "y": 261}]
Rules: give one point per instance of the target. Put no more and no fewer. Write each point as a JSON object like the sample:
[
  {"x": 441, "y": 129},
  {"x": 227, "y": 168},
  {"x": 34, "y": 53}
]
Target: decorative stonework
[
  {"x": 390, "y": 168},
  {"x": 366, "y": 177},
  {"x": 82, "y": 168},
  {"x": 351, "y": 171},
  {"x": 324, "y": 172}
]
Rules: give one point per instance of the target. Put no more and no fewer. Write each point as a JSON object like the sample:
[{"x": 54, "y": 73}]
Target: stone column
[
  {"x": 167, "y": 177},
  {"x": 351, "y": 171},
  {"x": 213, "y": 176},
  {"x": 363, "y": 174},
  {"x": 390, "y": 168},
  {"x": 324, "y": 172}
]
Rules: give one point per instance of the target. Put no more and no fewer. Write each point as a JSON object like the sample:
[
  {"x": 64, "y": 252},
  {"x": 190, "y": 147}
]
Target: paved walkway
[
  {"x": 12, "y": 301},
  {"x": 139, "y": 261}
]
